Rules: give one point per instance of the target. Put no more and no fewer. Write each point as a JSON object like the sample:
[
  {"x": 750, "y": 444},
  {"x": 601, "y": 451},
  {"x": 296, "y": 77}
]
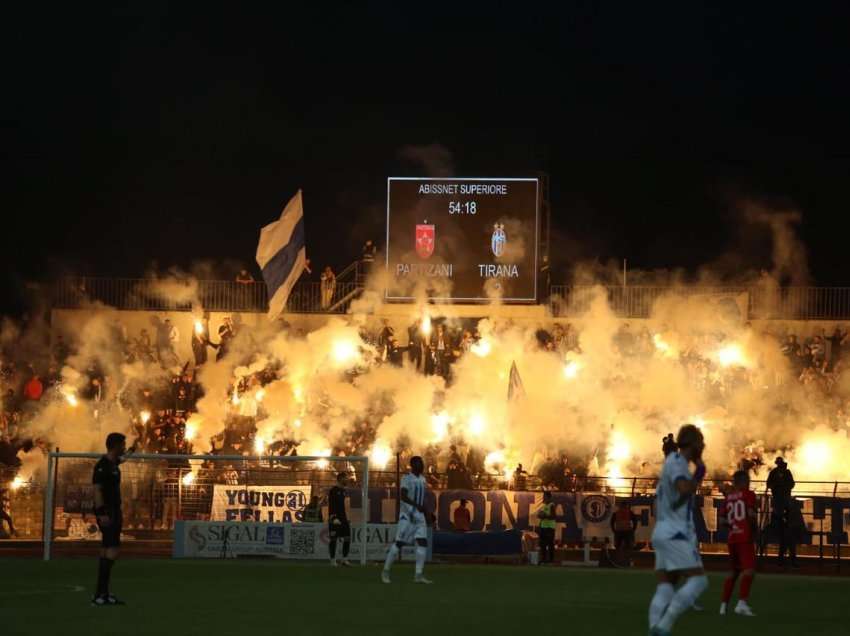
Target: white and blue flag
[{"x": 281, "y": 254}]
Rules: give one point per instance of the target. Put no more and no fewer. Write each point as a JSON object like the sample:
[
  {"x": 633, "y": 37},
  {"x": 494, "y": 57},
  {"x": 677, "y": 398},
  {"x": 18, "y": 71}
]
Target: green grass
[{"x": 278, "y": 597}]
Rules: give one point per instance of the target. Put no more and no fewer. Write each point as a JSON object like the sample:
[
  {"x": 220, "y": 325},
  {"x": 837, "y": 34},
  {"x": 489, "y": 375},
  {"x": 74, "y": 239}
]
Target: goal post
[{"x": 157, "y": 490}]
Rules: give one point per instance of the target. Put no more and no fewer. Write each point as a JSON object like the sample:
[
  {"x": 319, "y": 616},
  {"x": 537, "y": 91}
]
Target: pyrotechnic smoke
[{"x": 604, "y": 405}]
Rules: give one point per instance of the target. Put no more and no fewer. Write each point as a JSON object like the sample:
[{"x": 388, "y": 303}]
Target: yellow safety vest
[{"x": 548, "y": 509}]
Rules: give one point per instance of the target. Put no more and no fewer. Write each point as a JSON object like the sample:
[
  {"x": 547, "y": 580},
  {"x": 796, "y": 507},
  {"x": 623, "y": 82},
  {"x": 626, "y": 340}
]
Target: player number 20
[{"x": 736, "y": 512}]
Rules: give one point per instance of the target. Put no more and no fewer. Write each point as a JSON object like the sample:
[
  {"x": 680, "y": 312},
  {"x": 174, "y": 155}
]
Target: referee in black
[
  {"x": 107, "y": 507},
  {"x": 338, "y": 525}
]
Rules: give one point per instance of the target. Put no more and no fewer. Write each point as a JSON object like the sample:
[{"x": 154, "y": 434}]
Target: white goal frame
[{"x": 55, "y": 456}]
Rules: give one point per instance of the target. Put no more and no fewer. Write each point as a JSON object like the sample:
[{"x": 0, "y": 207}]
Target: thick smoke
[{"x": 600, "y": 398}]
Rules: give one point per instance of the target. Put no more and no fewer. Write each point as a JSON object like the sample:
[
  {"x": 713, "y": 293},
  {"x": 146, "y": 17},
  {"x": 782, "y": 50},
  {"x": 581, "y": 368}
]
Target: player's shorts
[
  {"x": 743, "y": 555},
  {"x": 341, "y": 530},
  {"x": 675, "y": 552},
  {"x": 111, "y": 534},
  {"x": 410, "y": 529}
]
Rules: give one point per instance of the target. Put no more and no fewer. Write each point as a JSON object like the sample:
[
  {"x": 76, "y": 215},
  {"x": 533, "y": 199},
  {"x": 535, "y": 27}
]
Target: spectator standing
[
  {"x": 441, "y": 348},
  {"x": 33, "y": 389},
  {"x": 624, "y": 523},
  {"x": 173, "y": 336},
  {"x": 461, "y": 518},
  {"x": 200, "y": 340},
  {"x": 384, "y": 338},
  {"x": 328, "y": 286},
  {"x": 6, "y": 517},
  {"x": 243, "y": 277},
  {"x": 519, "y": 478},
  {"x": 61, "y": 351},
  {"x": 225, "y": 335},
  {"x": 414, "y": 345},
  {"x": 546, "y": 532},
  {"x": 395, "y": 353},
  {"x": 781, "y": 483},
  {"x": 244, "y": 280},
  {"x": 836, "y": 342},
  {"x": 368, "y": 259}
]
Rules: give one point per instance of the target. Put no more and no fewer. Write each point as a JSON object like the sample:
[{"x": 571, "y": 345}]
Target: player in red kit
[{"x": 738, "y": 514}]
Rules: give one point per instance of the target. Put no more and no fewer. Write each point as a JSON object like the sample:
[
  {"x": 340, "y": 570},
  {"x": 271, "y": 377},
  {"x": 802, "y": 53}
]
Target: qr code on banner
[{"x": 302, "y": 541}]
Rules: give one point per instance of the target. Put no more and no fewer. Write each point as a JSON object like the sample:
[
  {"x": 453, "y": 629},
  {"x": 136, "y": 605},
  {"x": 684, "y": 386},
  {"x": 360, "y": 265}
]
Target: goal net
[{"x": 209, "y": 505}]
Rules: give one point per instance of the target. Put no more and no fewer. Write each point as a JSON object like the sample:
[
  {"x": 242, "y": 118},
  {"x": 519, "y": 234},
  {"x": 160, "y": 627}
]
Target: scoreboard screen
[{"x": 462, "y": 240}]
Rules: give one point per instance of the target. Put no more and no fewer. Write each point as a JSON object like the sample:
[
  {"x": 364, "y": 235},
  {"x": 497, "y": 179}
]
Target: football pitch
[{"x": 275, "y": 597}]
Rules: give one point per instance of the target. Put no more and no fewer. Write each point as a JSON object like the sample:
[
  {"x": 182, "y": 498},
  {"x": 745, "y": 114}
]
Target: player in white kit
[
  {"x": 412, "y": 525},
  {"x": 674, "y": 537}
]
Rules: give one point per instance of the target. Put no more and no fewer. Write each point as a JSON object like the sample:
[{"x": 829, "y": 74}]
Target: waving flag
[
  {"x": 515, "y": 388},
  {"x": 281, "y": 254}
]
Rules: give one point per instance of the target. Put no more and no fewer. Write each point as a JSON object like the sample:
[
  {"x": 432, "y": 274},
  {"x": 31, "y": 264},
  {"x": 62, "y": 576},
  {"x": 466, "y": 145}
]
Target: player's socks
[
  {"x": 346, "y": 546},
  {"x": 104, "y": 568},
  {"x": 663, "y": 593},
  {"x": 332, "y": 549},
  {"x": 421, "y": 553},
  {"x": 682, "y": 600},
  {"x": 746, "y": 584},
  {"x": 392, "y": 555},
  {"x": 729, "y": 586},
  {"x": 723, "y": 608}
]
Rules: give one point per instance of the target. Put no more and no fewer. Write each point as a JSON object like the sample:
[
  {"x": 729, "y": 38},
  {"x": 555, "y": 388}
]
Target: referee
[
  {"x": 107, "y": 507},
  {"x": 339, "y": 527}
]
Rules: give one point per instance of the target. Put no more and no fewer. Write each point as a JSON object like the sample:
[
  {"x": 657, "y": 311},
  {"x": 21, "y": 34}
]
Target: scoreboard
[{"x": 462, "y": 240}]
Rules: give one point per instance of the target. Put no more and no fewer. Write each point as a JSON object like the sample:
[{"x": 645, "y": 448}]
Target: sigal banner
[
  {"x": 229, "y": 539},
  {"x": 269, "y": 504}
]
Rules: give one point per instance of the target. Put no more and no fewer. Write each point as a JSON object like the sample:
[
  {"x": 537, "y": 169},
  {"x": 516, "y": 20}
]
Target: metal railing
[
  {"x": 754, "y": 302},
  {"x": 189, "y": 295}
]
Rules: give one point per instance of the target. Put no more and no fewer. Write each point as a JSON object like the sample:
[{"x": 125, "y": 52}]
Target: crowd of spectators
[{"x": 160, "y": 406}]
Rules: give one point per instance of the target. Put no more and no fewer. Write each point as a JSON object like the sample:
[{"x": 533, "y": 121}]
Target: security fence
[
  {"x": 786, "y": 303},
  {"x": 196, "y": 295}
]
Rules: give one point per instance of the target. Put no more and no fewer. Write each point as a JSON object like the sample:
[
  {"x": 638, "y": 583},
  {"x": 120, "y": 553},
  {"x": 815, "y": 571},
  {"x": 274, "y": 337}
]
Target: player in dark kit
[
  {"x": 739, "y": 516},
  {"x": 338, "y": 525},
  {"x": 107, "y": 507}
]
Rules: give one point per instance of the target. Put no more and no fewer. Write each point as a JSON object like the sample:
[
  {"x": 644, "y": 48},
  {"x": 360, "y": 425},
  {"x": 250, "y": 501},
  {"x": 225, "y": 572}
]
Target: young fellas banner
[{"x": 267, "y": 504}]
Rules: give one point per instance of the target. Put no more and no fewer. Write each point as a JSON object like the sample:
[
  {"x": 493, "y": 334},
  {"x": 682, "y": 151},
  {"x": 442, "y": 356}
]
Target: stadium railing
[
  {"x": 786, "y": 303},
  {"x": 195, "y": 295}
]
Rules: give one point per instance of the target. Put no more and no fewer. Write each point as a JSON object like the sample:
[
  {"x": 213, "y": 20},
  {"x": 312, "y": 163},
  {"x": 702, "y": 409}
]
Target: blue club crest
[{"x": 498, "y": 240}]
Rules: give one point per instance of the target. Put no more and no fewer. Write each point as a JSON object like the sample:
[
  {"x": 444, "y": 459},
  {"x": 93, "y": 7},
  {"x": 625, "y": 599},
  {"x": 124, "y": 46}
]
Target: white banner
[
  {"x": 206, "y": 539},
  {"x": 268, "y": 504}
]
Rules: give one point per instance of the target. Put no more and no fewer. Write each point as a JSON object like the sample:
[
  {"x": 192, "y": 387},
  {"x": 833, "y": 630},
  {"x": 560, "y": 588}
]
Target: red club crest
[{"x": 425, "y": 240}]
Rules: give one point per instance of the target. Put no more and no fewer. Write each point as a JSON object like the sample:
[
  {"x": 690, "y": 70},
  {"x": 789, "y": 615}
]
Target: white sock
[
  {"x": 683, "y": 600},
  {"x": 421, "y": 553},
  {"x": 392, "y": 555},
  {"x": 663, "y": 593}
]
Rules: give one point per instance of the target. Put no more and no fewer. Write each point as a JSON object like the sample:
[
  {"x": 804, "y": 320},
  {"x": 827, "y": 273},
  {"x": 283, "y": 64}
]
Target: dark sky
[{"x": 169, "y": 133}]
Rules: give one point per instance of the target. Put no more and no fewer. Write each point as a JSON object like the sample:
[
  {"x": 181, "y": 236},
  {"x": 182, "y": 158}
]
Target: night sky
[{"x": 152, "y": 135}]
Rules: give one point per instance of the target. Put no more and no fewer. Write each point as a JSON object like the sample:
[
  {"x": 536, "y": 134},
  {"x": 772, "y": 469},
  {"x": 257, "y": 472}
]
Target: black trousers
[{"x": 547, "y": 545}]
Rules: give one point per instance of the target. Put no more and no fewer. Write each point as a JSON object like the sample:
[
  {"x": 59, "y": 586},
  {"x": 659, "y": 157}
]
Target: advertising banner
[
  {"x": 230, "y": 539},
  {"x": 269, "y": 504}
]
